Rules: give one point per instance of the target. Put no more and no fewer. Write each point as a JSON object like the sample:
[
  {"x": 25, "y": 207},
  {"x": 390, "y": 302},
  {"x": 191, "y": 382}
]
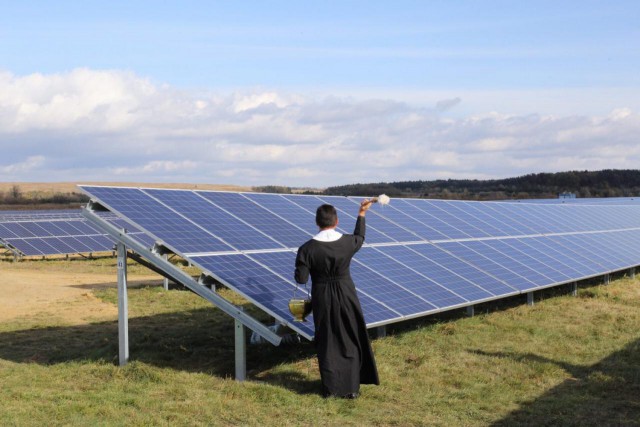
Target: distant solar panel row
[
  {"x": 39, "y": 214},
  {"x": 37, "y": 233},
  {"x": 583, "y": 201},
  {"x": 421, "y": 256}
]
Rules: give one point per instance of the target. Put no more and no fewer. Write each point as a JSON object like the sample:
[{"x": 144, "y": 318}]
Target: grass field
[
  {"x": 564, "y": 361},
  {"x": 72, "y": 187}
]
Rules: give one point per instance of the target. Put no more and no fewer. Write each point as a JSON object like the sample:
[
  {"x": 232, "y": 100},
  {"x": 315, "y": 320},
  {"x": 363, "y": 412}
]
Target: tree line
[{"x": 604, "y": 183}]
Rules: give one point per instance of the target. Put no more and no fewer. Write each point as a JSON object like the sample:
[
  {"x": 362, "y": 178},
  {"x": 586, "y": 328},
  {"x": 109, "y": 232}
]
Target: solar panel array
[
  {"x": 57, "y": 232},
  {"x": 584, "y": 201},
  {"x": 420, "y": 256}
]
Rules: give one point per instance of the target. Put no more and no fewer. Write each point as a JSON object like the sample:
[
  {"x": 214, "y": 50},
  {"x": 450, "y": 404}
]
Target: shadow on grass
[
  {"x": 606, "y": 393},
  {"x": 200, "y": 340}
]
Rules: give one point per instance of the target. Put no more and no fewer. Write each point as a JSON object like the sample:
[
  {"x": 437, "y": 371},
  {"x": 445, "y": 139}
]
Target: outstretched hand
[{"x": 364, "y": 206}]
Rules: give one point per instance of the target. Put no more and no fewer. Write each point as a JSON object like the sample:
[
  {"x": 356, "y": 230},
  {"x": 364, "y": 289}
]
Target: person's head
[{"x": 326, "y": 216}]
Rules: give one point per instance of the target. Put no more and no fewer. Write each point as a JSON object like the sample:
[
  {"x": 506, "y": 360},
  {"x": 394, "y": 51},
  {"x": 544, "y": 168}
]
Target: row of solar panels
[
  {"x": 208, "y": 222},
  {"x": 421, "y": 256},
  {"x": 584, "y": 201},
  {"x": 39, "y": 237},
  {"x": 52, "y": 233},
  {"x": 26, "y": 215},
  {"x": 404, "y": 281}
]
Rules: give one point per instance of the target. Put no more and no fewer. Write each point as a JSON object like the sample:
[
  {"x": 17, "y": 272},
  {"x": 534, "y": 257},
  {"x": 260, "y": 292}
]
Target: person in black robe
[{"x": 344, "y": 352}]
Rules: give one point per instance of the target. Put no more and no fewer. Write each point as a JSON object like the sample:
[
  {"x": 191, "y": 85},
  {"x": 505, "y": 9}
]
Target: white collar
[{"x": 329, "y": 235}]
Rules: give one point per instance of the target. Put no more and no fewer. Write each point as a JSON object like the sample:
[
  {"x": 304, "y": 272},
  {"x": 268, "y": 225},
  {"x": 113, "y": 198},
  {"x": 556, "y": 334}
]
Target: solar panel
[
  {"x": 420, "y": 256},
  {"x": 582, "y": 201},
  {"x": 33, "y": 233}
]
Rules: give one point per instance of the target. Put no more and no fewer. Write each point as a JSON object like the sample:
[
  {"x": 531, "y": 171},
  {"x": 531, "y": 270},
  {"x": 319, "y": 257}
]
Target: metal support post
[
  {"x": 381, "y": 331},
  {"x": 165, "y": 282},
  {"x": 530, "y": 300},
  {"x": 179, "y": 276},
  {"x": 241, "y": 352},
  {"x": 470, "y": 310},
  {"x": 607, "y": 278},
  {"x": 574, "y": 289},
  {"x": 632, "y": 272},
  {"x": 123, "y": 309}
]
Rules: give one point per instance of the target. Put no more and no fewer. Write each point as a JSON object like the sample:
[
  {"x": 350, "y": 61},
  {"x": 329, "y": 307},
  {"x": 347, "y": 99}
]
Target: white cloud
[
  {"x": 21, "y": 168},
  {"x": 113, "y": 125},
  {"x": 157, "y": 166}
]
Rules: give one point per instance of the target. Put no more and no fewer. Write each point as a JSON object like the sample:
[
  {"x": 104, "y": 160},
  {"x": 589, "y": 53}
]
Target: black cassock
[{"x": 344, "y": 351}]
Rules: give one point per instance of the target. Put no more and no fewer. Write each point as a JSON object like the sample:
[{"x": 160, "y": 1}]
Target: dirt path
[{"x": 66, "y": 296}]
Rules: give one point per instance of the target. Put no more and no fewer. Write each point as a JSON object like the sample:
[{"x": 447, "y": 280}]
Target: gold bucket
[{"x": 300, "y": 308}]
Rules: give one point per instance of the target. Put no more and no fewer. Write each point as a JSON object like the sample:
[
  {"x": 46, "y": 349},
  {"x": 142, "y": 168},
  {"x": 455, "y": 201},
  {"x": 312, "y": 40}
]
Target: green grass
[{"x": 564, "y": 361}]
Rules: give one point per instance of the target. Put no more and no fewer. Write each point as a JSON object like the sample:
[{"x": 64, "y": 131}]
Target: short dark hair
[{"x": 326, "y": 216}]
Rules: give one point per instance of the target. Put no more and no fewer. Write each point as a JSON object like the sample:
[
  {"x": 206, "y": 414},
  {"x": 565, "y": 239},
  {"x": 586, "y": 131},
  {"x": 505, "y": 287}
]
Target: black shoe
[{"x": 351, "y": 396}]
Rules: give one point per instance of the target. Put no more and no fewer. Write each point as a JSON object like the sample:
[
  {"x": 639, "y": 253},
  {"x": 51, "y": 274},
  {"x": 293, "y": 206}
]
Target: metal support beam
[
  {"x": 182, "y": 277},
  {"x": 574, "y": 289},
  {"x": 381, "y": 331},
  {"x": 165, "y": 282},
  {"x": 471, "y": 310},
  {"x": 241, "y": 351},
  {"x": 607, "y": 279},
  {"x": 632, "y": 272},
  {"x": 123, "y": 309},
  {"x": 530, "y": 300}
]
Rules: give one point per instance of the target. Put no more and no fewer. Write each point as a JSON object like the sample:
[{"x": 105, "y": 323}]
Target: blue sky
[{"x": 541, "y": 86}]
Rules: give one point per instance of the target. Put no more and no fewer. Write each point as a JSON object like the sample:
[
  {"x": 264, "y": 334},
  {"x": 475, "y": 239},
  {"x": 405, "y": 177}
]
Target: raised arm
[{"x": 360, "y": 228}]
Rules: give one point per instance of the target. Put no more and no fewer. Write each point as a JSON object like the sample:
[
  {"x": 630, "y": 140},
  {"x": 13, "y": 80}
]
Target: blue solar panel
[
  {"x": 159, "y": 220},
  {"x": 259, "y": 218},
  {"x": 346, "y": 213},
  {"x": 424, "y": 293},
  {"x": 281, "y": 263},
  {"x": 423, "y": 230},
  {"x": 540, "y": 262},
  {"x": 610, "y": 245},
  {"x": 348, "y": 208},
  {"x": 255, "y": 282},
  {"x": 232, "y": 230},
  {"x": 284, "y": 208},
  {"x": 563, "y": 255},
  {"x": 443, "y": 268},
  {"x": 412, "y": 208},
  {"x": 514, "y": 261},
  {"x": 506, "y": 272},
  {"x": 624, "y": 201},
  {"x": 475, "y": 218},
  {"x": 517, "y": 225},
  {"x": 439, "y": 209},
  {"x": 489, "y": 214},
  {"x": 420, "y": 256},
  {"x": 575, "y": 243},
  {"x": 36, "y": 233}
]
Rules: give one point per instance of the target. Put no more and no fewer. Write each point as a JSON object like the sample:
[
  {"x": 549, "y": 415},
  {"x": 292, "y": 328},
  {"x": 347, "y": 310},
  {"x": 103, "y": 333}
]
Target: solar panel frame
[{"x": 517, "y": 243}]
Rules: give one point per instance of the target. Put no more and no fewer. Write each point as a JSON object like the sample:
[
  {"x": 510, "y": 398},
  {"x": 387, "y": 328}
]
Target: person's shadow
[{"x": 605, "y": 393}]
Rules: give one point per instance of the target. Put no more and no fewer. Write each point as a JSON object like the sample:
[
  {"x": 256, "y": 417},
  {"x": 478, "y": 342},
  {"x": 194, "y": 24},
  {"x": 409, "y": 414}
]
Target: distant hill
[{"x": 604, "y": 183}]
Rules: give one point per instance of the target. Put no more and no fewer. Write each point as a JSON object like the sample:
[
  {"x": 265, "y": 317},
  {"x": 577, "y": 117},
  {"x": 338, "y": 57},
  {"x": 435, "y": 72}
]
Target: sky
[{"x": 314, "y": 94}]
